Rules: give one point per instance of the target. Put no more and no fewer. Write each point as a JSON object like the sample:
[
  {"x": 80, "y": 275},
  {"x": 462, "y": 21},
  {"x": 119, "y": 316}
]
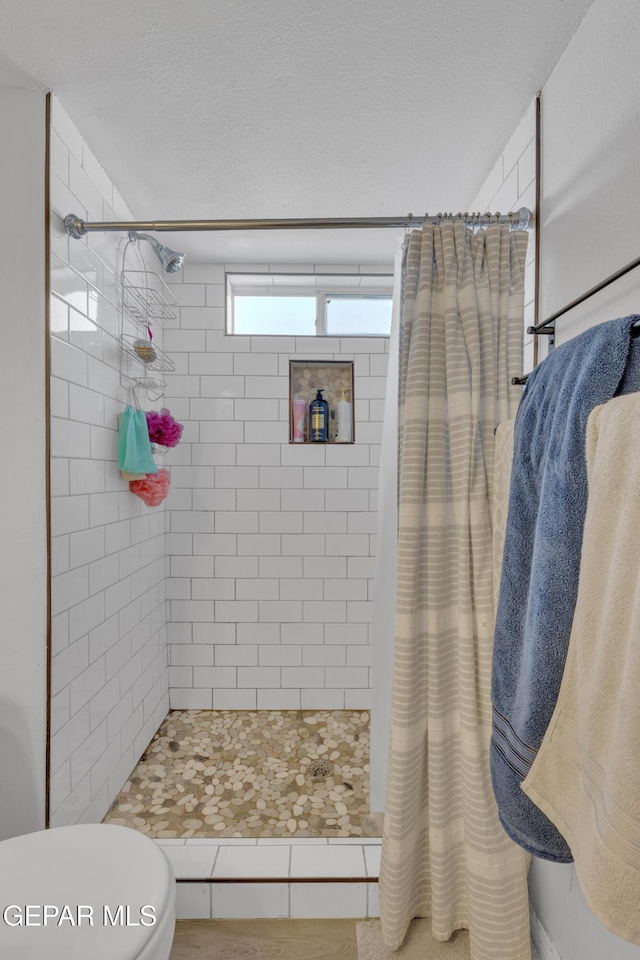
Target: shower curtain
[
  {"x": 444, "y": 853},
  {"x": 386, "y": 562}
]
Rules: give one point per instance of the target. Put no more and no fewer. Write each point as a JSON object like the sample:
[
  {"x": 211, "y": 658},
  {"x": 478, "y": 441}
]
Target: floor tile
[
  {"x": 252, "y": 862},
  {"x": 247, "y": 773},
  {"x": 193, "y": 901},
  {"x": 221, "y": 842},
  {"x": 192, "y": 861},
  {"x": 373, "y": 901},
  {"x": 327, "y": 862},
  {"x": 372, "y": 858},
  {"x": 294, "y": 842},
  {"x": 346, "y": 841},
  {"x": 329, "y": 900},
  {"x": 249, "y": 900}
]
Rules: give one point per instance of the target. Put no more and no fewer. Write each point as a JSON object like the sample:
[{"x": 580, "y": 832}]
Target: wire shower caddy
[{"x": 144, "y": 298}]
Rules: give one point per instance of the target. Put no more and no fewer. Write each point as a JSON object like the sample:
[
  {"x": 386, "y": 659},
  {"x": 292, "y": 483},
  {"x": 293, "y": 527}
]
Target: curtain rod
[{"x": 77, "y": 228}]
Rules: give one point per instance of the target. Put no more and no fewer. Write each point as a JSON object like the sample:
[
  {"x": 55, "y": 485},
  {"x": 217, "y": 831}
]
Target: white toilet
[{"x": 85, "y": 892}]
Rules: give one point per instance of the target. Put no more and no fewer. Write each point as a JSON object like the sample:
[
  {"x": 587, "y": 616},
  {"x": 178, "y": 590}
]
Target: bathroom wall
[
  {"x": 109, "y": 677},
  {"x": 272, "y": 544},
  {"x": 511, "y": 184},
  {"x": 590, "y": 209},
  {"x": 23, "y": 560}
]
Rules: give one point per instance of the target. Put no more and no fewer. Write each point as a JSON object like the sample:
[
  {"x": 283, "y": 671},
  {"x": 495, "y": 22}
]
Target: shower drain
[{"x": 320, "y": 769}]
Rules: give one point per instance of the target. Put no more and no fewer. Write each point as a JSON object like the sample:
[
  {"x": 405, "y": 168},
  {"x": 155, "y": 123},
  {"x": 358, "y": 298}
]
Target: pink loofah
[
  {"x": 163, "y": 429},
  {"x": 153, "y": 489}
]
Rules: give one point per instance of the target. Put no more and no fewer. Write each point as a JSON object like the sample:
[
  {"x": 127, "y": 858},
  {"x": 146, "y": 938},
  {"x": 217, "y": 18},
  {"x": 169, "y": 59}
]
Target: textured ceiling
[{"x": 289, "y": 108}]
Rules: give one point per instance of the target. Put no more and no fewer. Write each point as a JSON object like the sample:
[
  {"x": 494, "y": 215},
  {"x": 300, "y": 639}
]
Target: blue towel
[{"x": 541, "y": 560}]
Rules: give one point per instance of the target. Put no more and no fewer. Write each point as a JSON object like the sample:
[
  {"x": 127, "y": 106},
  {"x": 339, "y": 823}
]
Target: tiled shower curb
[{"x": 269, "y": 878}]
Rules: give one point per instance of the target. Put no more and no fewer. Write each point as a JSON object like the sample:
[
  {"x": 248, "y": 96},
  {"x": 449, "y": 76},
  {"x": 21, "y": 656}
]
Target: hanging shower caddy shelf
[
  {"x": 146, "y": 296},
  {"x": 161, "y": 362}
]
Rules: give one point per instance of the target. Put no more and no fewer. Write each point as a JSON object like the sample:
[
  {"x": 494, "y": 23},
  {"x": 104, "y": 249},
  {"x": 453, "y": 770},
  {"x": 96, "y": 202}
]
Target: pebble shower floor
[{"x": 266, "y": 773}]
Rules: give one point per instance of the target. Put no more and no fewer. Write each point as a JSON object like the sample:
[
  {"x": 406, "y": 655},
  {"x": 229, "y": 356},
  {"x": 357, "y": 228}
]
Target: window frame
[
  {"x": 325, "y": 287},
  {"x": 321, "y": 315}
]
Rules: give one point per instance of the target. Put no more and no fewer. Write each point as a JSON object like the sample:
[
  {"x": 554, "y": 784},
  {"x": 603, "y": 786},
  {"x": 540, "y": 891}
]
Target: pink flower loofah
[
  {"x": 163, "y": 429},
  {"x": 153, "y": 489}
]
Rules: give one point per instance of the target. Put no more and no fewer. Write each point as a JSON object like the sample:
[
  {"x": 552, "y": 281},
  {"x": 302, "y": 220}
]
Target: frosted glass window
[
  {"x": 358, "y": 316},
  {"x": 275, "y": 316}
]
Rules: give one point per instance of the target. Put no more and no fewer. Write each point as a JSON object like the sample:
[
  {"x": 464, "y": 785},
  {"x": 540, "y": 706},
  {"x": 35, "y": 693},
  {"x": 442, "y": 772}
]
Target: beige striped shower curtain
[{"x": 444, "y": 853}]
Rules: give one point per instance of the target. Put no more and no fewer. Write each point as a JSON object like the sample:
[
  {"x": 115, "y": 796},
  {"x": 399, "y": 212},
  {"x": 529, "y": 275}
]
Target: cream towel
[{"x": 586, "y": 777}]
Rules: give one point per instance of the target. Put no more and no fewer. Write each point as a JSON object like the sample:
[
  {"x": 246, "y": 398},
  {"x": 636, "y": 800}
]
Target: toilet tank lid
[{"x": 111, "y": 871}]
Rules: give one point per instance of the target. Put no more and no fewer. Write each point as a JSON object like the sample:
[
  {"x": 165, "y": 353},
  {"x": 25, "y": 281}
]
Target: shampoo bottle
[{"x": 319, "y": 419}]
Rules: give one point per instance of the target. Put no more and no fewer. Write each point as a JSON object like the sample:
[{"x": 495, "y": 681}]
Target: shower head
[{"x": 171, "y": 261}]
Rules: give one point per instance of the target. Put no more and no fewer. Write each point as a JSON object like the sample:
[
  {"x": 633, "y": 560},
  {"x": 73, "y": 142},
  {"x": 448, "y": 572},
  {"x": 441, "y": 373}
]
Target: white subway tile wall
[
  {"x": 271, "y": 544},
  {"x": 109, "y": 676},
  {"x": 511, "y": 185}
]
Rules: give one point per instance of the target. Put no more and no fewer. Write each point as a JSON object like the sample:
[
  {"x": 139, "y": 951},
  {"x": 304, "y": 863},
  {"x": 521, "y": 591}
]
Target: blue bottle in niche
[{"x": 319, "y": 419}]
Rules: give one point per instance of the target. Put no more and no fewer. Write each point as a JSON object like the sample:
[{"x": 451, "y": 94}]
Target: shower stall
[
  {"x": 225, "y": 670},
  {"x": 211, "y": 656}
]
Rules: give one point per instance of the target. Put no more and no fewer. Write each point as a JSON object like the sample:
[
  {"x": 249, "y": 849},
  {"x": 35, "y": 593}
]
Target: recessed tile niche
[{"x": 306, "y": 377}]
